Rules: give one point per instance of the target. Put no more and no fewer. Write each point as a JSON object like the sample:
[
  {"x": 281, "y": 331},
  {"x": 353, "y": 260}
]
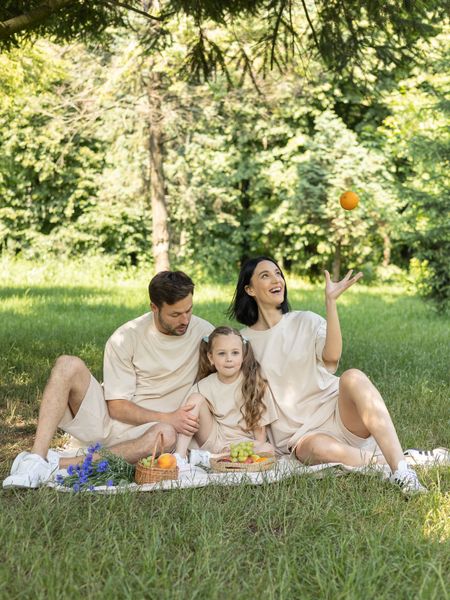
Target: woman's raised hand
[{"x": 333, "y": 289}]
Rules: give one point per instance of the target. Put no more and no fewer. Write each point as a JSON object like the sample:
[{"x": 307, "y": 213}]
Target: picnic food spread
[{"x": 242, "y": 457}]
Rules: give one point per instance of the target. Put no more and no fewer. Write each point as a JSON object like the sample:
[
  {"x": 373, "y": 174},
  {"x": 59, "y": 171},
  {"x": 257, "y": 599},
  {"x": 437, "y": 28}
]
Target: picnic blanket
[{"x": 201, "y": 477}]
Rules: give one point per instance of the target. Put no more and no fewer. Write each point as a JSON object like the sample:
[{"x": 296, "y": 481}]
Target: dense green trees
[
  {"x": 50, "y": 156},
  {"x": 416, "y": 133},
  {"x": 249, "y": 164}
]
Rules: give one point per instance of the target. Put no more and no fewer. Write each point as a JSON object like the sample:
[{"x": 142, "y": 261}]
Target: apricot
[
  {"x": 166, "y": 461},
  {"x": 349, "y": 200}
]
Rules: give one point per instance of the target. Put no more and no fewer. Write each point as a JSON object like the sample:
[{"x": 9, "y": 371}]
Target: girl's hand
[{"x": 334, "y": 289}]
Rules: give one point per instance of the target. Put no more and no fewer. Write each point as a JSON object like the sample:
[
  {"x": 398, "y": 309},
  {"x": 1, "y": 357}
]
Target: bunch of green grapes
[{"x": 241, "y": 451}]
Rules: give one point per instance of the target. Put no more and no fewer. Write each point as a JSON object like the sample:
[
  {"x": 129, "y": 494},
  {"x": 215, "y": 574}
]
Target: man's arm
[{"x": 182, "y": 419}]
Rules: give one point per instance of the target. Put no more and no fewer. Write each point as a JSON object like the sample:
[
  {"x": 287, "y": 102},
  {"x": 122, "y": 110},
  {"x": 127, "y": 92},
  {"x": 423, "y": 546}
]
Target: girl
[
  {"x": 231, "y": 398},
  {"x": 322, "y": 418}
]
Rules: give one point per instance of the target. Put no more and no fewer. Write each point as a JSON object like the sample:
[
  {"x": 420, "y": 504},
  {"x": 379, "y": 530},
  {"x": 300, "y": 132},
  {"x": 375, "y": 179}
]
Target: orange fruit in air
[
  {"x": 349, "y": 200},
  {"x": 167, "y": 461}
]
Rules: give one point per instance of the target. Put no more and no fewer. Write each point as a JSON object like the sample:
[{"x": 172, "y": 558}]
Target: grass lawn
[{"x": 303, "y": 538}]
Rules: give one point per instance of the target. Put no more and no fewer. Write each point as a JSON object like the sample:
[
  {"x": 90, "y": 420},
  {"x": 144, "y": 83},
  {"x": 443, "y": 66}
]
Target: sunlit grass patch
[{"x": 337, "y": 537}]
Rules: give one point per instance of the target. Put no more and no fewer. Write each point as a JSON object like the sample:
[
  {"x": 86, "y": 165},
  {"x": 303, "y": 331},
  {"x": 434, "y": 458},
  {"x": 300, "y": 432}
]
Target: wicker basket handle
[{"x": 159, "y": 440}]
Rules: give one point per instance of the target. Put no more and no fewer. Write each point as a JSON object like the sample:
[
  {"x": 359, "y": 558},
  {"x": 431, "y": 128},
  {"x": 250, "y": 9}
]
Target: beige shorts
[
  {"x": 92, "y": 422},
  {"x": 335, "y": 428},
  {"x": 218, "y": 442}
]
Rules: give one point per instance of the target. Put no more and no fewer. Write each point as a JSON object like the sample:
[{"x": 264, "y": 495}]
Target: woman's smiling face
[{"x": 267, "y": 285}]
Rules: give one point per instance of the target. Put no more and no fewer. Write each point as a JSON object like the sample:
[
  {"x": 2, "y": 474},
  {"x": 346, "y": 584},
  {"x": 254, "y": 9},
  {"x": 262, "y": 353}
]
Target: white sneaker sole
[
  {"x": 17, "y": 462},
  {"x": 20, "y": 481},
  {"x": 438, "y": 456}
]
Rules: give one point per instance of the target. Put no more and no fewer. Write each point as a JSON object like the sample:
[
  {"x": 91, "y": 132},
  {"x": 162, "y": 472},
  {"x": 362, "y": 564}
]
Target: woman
[{"x": 322, "y": 418}]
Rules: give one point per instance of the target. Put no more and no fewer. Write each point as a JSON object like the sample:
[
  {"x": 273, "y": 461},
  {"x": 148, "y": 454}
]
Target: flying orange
[{"x": 349, "y": 200}]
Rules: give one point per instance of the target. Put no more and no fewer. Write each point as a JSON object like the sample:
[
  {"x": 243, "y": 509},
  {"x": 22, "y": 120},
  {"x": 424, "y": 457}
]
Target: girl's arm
[
  {"x": 260, "y": 434},
  {"x": 333, "y": 342},
  {"x": 261, "y": 443}
]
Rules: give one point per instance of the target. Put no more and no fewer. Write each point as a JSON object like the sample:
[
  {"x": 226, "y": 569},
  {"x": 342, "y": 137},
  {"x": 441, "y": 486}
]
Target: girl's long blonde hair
[{"x": 254, "y": 386}]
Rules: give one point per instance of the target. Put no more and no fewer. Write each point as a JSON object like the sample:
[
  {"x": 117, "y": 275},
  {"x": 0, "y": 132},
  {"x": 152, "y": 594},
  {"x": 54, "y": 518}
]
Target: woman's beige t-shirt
[
  {"x": 225, "y": 400},
  {"x": 305, "y": 392},
  {"x": 149, "y": 368}
]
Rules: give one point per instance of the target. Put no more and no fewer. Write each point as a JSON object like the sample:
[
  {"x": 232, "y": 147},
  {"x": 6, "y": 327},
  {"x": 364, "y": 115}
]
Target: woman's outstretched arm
[{"x": 333, "y": 342}]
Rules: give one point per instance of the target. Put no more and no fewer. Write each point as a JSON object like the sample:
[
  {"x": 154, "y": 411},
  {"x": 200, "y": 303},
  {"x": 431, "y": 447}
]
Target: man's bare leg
[
  {"x": 67, "y": 386},
  {"x": 133, "y": 450}
]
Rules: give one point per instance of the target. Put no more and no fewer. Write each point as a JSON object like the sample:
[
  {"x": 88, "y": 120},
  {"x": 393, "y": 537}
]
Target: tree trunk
[
  {"x": 161, "y": 238},
  {"x": 245, "y": 220},
  {"x": 337, "y": 262},
  {"x": 386, "y": 247}
]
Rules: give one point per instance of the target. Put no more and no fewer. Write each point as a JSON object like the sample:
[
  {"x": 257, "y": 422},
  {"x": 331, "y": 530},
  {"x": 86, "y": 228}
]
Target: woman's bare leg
[
  {"x": 320, "y": 448},
  {"x": 364, "y": 413}
]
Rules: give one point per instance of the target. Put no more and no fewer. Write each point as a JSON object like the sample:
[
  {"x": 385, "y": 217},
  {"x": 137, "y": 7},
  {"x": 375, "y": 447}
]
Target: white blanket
[{"x": 199, "y": 477}]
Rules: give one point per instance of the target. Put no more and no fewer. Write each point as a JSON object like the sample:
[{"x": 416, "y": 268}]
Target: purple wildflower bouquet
[{"x": 110, "y": 470}]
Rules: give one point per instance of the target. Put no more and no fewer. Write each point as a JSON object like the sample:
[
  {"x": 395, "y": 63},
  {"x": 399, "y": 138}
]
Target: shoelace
[{"x": 408, "y": 478}]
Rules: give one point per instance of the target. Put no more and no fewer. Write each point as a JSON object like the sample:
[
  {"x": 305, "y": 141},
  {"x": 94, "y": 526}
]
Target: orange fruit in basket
[
  {"x": 166, "y": 461},
  {"x": 349, "y": 200},
  {"x": 261, "y": 459}
]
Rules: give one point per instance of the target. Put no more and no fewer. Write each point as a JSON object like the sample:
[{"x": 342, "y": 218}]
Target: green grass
[{"x": 347, "y": 537}]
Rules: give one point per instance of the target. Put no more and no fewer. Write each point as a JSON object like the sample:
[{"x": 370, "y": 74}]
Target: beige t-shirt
[
  {"x": 149, "y": 368},
  {"x": 225, "y": 400},
  {"x": 305, "y": 392}
]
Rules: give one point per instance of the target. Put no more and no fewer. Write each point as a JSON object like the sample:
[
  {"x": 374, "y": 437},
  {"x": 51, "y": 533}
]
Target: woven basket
[
  {"x": 153, "y": 474},
  {"x": 229, "y": 467}
]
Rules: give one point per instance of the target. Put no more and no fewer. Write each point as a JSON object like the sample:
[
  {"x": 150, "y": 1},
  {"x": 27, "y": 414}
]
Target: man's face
[{"x": 173, "y": 319}]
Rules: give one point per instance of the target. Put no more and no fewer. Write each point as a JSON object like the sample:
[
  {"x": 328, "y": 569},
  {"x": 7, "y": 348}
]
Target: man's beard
[{"x": 168, "y": 329}]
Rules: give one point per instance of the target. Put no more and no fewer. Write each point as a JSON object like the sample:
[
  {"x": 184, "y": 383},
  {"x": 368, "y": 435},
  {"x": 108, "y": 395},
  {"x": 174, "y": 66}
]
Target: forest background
[
  {"x": 180, "y": 143},
  {"x": 194, "y": 135}
]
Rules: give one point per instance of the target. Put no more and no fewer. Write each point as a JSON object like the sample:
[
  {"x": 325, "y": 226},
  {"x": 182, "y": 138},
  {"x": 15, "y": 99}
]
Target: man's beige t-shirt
[
  {"x": 149, "y": 368},
  {"x": 305, "y": 392},
  {"x": 225, "y": 400}
]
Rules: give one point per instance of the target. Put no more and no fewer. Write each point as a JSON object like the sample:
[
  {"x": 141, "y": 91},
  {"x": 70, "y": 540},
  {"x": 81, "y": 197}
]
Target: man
[{"x": 150, "y": 364}]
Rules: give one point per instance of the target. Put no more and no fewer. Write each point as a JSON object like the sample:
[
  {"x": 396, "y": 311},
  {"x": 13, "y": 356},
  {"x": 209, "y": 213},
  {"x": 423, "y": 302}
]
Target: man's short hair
[{"x": 169, "y": 287}]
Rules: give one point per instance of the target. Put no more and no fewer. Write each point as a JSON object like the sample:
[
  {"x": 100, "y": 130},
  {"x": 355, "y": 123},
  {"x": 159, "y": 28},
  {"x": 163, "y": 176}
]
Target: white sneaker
[
  {"x": 28, "y": 471},
  {"x": 199, "y": 457},
  {"x": 438, "y": 456},
  {"x": 406, "y": 478},
  {"x": 53, "y": 459},
  {"x": 182, "y": 463}
]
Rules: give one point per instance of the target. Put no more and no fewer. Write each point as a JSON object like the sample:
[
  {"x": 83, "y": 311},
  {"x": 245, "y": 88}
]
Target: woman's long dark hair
[{"x": 243, "y": 307}]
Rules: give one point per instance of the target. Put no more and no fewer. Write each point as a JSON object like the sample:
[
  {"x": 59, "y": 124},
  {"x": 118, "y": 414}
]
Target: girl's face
[
  {"x": 226, "y": 355},
  {"x": 267, "y": 285}
]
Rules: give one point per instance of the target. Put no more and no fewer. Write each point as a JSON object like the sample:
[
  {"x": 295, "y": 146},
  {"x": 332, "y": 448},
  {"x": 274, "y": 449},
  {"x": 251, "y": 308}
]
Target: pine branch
[{"x": 32, "y": 18}]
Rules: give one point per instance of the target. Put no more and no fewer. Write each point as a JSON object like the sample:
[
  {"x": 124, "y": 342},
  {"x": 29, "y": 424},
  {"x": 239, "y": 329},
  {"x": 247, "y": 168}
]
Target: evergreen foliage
[
  {"x": 341, "y": 33},
  {"x": 252, "y": 164}
]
